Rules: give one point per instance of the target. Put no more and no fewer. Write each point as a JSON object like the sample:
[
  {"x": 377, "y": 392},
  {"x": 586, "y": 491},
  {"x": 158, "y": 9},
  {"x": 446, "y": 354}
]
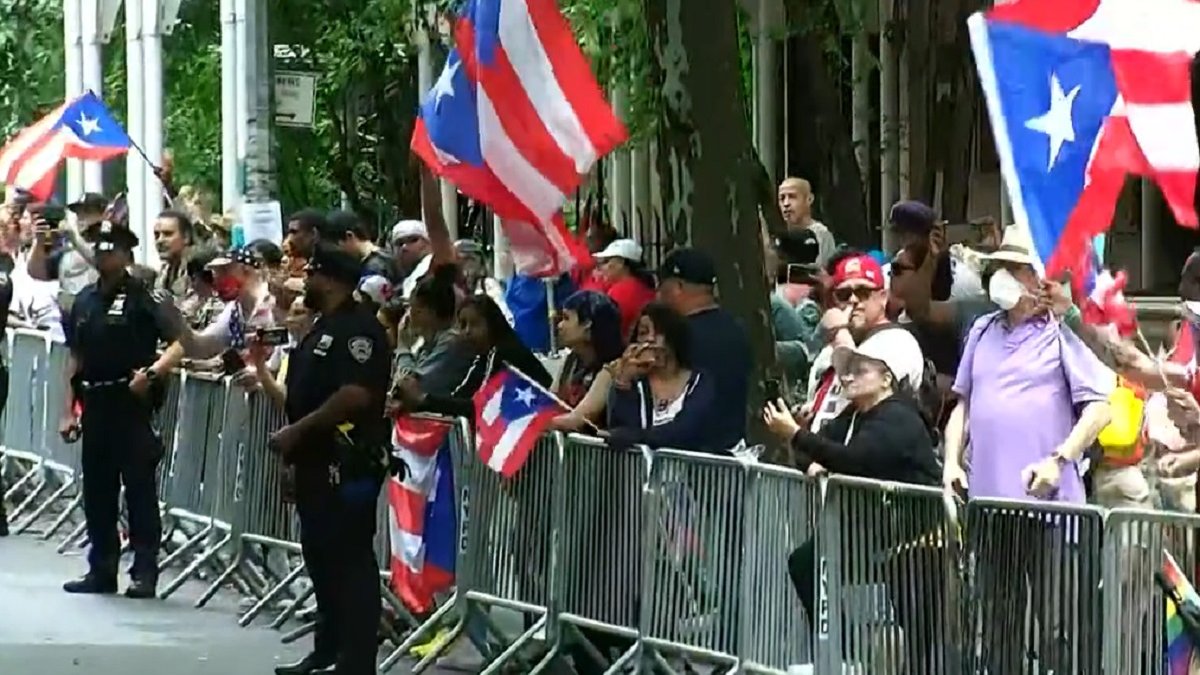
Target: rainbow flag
[{"x": 1179, "y": 643}]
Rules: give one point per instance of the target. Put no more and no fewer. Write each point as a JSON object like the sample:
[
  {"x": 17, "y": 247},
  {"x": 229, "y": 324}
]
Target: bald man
[{"x": 795, "y": 203}]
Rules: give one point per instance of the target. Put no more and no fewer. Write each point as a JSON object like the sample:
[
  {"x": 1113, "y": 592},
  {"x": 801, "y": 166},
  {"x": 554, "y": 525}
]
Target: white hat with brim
[
  {"x": 895, "y": 348},
  {"x": 1016, "y": 248},
  {"x": 621, "y": 248}
]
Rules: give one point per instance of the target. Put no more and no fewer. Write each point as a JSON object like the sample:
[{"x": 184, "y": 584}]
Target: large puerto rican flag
[
  {"x": 1082, "y": 93},
  {"x": 516, "y": 121},
  {"x": 423, "y": 520}
]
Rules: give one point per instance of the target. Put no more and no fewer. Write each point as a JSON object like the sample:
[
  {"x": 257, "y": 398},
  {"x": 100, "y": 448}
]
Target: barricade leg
[
  {"x": 191, "y": 570},
  {"x": 69, "y": 510},
  {"x": 42, "y": 508},
  {"x": 185, "y": 548},
  {"x": 273, "y": 594},
  {"x": 294, "y": 609},
  {"x": 74, "y": 539}
]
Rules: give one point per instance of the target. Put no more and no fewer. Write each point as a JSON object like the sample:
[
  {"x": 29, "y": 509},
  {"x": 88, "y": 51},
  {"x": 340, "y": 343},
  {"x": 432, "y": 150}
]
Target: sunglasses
[{"x": 861, "y": 293}]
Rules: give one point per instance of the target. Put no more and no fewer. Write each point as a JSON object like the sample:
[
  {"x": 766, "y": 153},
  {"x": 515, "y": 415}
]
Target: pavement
[{"x": 44, "y": 631}]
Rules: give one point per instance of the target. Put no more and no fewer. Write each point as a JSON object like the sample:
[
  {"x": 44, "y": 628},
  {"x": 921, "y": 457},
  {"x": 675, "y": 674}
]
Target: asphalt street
[{"x": 44, "y": 631}]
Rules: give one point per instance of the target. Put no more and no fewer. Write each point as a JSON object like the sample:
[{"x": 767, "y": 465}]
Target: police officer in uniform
[
  {"x": 335, "y": 439},
  {"x": 113, "y": 332}
]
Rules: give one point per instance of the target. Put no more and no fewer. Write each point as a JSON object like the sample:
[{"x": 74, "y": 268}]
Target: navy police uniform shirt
[
  {"x": 115, "y": 332},
  {"x": 346, "y": 347}
]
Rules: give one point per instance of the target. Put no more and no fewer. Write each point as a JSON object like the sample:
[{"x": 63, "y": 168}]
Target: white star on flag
[
  {"x": 88, "y": 126},
  {"x": 1056, "y": 122},
  {"x": 445, "y": 84},
  {"x": 525, "y": 396}
]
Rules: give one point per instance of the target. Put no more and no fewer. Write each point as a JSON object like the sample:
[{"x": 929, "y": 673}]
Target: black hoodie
[{"x": 888, "y": 442}]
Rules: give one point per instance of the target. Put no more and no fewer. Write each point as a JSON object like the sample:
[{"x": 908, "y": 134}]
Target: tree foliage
[{"x": 31, "y": 61}]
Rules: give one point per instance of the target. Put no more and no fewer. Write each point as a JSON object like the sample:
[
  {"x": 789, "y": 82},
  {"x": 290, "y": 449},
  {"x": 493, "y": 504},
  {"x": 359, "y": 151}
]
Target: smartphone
[
  {"x": 772, "y": 390},
  {"x": 272, "y": 337},
  {"x": 232, "y": 362}
]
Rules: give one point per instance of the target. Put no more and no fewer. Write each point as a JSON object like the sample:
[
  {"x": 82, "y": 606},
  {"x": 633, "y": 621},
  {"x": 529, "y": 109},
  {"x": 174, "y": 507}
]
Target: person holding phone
[
  {"x": 238, "y": 280},
  {"x": 114, "y": 371}
]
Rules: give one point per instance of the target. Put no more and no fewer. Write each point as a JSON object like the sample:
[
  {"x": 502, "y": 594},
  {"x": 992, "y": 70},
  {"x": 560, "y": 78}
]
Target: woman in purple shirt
[{"x": 1032, "y": 398}]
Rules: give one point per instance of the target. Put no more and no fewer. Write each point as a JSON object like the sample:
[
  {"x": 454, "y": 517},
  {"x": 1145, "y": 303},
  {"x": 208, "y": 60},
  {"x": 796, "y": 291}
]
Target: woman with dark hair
[
  {"x": 589, "y": 325},
  {"x": 430, "y": 357},
  {"x": 483, "y": 330},
  {"x": 657, "y": 399}
]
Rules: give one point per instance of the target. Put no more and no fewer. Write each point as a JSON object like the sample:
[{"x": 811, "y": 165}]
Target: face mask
[
  {"x": 227, "y": 287},
  {"x": 1005, "y": 290}
]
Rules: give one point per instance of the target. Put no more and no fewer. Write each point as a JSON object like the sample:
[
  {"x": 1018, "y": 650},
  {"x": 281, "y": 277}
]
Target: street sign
[
  {"x": 295, "y": 99},
  {"x": 262, "y": 220}
]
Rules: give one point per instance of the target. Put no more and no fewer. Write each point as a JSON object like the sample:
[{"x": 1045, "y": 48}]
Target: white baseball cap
[
  {"x": 895, "y": 348},
  {"x": 406, "y": 229},
  {"x": 621, "y": 248}
]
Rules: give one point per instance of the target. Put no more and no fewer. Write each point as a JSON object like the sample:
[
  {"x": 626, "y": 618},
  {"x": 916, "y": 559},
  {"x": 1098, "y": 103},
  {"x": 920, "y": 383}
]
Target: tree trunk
[
  {"x": 707, "y": 164},
  {"x": 955, "y": 111},
  {"x": 822, "y": 149}
]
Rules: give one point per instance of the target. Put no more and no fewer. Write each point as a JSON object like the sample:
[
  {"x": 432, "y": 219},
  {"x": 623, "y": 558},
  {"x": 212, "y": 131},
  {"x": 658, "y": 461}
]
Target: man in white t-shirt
[
  {"x": 795, "y": 203},
  {"x": 239, "y": 281}
]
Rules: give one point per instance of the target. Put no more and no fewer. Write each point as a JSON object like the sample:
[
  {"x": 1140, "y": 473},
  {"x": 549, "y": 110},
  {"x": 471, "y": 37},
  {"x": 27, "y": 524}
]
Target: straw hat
[{"x": 1016, "y": 247}]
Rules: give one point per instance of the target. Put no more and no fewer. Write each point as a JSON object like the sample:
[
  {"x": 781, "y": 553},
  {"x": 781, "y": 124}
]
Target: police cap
[
  {"x": 332, "y": 262},
  {"x": 111, "y": 237}
]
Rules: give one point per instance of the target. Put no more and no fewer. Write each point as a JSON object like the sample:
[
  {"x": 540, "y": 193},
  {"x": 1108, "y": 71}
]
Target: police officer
[
  {"x": 113, "y": 332},
  {"x": 335, "y": 440},
  {"x": 7, "y": 265}
]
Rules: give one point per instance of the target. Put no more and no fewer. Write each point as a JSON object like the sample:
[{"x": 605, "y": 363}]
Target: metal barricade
[
  {"x": 1135, "y": 627},
  {"x": 781, "y": 511},
  {"x": 598, "y": 554},
  {"x": 880, "y": 579},
  {"x": 1033, "y": 595},
  {"x": 25, "y": 432},
  {"x": 693, "y": 542}
]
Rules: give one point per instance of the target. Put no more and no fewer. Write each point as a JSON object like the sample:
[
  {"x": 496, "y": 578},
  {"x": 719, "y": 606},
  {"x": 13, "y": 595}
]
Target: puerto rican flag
[
  {"x": 516, "y": 120},
  {"x": 511, "y": 413},
  {"x": 79, "y": 129},
  {"x": 423, "y": 521},
  {"x": 1082, "y": 93}
]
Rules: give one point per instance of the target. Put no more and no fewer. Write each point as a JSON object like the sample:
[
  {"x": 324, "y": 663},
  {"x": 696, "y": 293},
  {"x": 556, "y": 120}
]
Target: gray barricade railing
[
  {"x": 1033, "y": 595},
  {"x": 781, "y": 512},
  {"x": 1134, "y": 613},
  {"x": 693, "y": 549},
  {"x": 26, "y": 431},
  {"x": 879, "y": 578}
]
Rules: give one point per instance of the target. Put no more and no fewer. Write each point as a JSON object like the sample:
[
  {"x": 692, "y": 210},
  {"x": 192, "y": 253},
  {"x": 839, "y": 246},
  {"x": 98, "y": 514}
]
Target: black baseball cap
[
  {"x": 912, "y": 216},
  {"x": 90, "y": 201},
  {"x": 111, "y": 237},
  {"x": 244, "y": 255},
  {"x": 330, "y": 261},
  {"x": 691, "y": 265},
  {"x": 798, "y": 247}
]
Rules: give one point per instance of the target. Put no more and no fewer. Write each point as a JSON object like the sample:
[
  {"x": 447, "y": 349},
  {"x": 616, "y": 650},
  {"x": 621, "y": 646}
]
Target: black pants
[
  {"x": 120, "y": 446},
  {"x": 337, "y": 531},
  {"x": 3, "y": 402},
  {"x": 915, "y": 590}
]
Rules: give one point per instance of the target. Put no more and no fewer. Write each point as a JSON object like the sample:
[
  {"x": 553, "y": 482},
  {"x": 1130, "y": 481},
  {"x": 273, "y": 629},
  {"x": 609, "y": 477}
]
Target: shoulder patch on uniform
[{"x": 361, "y": 348}]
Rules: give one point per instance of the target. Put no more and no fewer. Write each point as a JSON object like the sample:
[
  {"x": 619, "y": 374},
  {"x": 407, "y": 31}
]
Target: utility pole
[
  {"x": 258, "y": 55},
  {"x": 73, "y": 60}
]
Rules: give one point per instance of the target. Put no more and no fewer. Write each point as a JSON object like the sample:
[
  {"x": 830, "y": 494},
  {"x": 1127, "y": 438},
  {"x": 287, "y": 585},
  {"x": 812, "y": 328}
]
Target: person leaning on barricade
[
  {"x": 335, "y": 441},
  {"x": 113, "y": 333},
  {"x": 881, "y": 435},
  {"x": 239, "y": 280},
  {"x": 589, "y": 326}
]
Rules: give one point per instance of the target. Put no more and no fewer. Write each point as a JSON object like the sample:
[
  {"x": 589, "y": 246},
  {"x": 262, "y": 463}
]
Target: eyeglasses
[{"x": 861, "y": 293}]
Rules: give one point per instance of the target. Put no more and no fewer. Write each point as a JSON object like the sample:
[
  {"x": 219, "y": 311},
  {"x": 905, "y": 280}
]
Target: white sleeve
[{"x": 219, "y": 328}]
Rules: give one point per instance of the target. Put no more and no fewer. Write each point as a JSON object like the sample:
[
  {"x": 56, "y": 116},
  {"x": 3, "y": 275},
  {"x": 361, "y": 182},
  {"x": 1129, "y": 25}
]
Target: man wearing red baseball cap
[{"x": 859, "y": 315}]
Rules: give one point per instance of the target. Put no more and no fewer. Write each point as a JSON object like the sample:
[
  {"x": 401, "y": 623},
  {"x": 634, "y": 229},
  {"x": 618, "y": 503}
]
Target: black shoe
[
  {"x": 92, "y": 584},
  {"x": 313, "y": 664},
  {"x": 3, "y": 526},
  {"x": 142, "y": 589}
]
